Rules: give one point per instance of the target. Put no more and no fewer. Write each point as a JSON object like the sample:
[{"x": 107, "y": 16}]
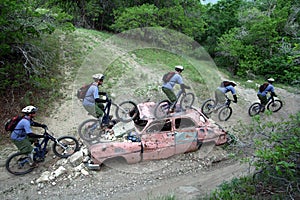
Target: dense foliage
[
  {"x": 274, "y": 150},
  {"x": 248, "y": 38},
  {"x": 264, "y": 42},
  {"x": 27, "y": 56}
]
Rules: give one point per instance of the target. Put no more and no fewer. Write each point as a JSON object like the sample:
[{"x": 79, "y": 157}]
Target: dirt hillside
[{"x": 186, "y": 176}]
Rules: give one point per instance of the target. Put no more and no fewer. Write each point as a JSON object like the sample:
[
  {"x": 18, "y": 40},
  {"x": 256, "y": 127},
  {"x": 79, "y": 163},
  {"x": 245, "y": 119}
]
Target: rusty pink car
[{"x": 181, "y": 132}]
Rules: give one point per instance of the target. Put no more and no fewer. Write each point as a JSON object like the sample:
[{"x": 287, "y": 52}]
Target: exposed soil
[{"x": 186, "y": 176}]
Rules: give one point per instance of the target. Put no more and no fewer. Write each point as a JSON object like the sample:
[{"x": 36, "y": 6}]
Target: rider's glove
[
  {"x": 234, "y": 98},
  {"x": 273, "y": 94},
  {"x": 44, "y": 126},
  {"x": 182, "y": 87}
]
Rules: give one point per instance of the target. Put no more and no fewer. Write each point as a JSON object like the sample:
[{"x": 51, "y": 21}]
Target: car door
[
  {"x": 185, "y": 135},
  {"x": 158, "y": 140}
]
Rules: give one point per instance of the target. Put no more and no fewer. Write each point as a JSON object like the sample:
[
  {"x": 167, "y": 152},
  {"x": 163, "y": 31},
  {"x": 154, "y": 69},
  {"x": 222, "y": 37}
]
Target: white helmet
[
  {"x": 98, "y": 76},
  {"x": 270, "y": 80},
  {"x": 29, "y": 109},
  {"x": 179, "y": 67}
]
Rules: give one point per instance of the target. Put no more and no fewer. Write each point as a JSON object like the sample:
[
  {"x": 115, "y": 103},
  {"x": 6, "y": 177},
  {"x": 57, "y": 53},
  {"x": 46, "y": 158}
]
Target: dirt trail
[{"x": 186, "y": 176}]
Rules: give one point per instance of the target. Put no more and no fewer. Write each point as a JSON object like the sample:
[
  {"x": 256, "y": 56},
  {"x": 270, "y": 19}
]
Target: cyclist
[
  {"x": 226, "y": 86},
  {"x": 262, "y": 93},
  {"x": 22, "y": 136},
  {"x": 167, "y": 87},
  {"x": 92, "y": 102}
]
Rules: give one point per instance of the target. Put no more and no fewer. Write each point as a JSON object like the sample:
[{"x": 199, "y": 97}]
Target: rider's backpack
[
  {"x": 167, "y": 77},
  {"x": 263, "y": 87},
  {"x": 81, "y": 92},
  {"x": 11, "y": 124}
]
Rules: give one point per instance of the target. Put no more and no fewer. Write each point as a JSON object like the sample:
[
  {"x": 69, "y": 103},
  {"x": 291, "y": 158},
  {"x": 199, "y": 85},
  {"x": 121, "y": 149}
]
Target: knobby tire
[
  {"x": 162, "y": 109},
  {"x": 124, "y": 111},
  {"x": 254, "y": 109},
  {"x": 18, "y": 164},
  {"x": 274, "y": 106},
  {"x": 225, "y": 113},
  {"x": 66, "y": 146},
  {"x": 89, "y": 130},
  {"x": 208, "y": 107},
  {"x": 187, "y": 101}
]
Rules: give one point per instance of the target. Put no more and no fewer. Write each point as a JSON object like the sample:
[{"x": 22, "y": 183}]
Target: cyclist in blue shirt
[
  {"x": 167, "y": 87},
  {"x": 226, "y": 86},
  {"x": 92, "y": 102},
  {"x": 22, "y": 136},
  {"x": 262, "y": 95}
]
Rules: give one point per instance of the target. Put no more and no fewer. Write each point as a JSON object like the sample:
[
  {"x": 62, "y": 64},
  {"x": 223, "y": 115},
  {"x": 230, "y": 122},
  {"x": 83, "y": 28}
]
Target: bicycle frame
[
  {"x": 270, "y": 100},
  {"x": 226, "y": 104},
  {"x": 42, "y": 146},
  {"x": 106, "y": 111},
  {"x": 178, "y": 95}
]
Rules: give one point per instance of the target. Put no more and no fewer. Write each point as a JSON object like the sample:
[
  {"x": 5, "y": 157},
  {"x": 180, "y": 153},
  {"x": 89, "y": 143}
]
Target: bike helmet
[
  {"x": 226, "y": 83},
  {"x": 29, "y": 109},
  {"x": 179, "y": 68},
  {"x": 98, "y": 76},
  {"x": 270, "y": 80},
  {"x": 233, "y": 83}
]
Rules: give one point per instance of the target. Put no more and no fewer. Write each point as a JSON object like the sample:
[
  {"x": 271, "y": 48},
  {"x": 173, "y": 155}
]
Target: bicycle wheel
[
  {"x": 187, "y": 101},
  {"x": 225, "y": 113},
  {"x": 65, "y": 146},
  {"x": 254, "y": 109},
  {"x": 126, "y": 111},
  {"x": 208, "y": 107},
  {"x": 275, "y": 105},
  {"x": 162, "y": 109},
  {"x": 18, "y": 164},
  {"x": 90, "y": 130}
]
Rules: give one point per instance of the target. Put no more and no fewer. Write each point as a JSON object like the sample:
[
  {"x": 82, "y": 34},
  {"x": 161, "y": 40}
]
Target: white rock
[
  {"x": 61, "y": 162},
  {"x": 44, "y": 177},
  {"x": 61, "y": 170},
  {"x": 84, "y": 172},
  {"x": 79, "y": 167},
  {"x": 76, "y": 158},
  {"x": 51, "y": 177}
]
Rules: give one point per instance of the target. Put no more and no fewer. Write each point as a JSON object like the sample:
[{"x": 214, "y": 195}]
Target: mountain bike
[
  {"x": 165, "y": 107},
  {"x": 96, "y": 129},
  {"x": 224, "y": 109},
  {"x": 63, "y": 147},
  {"x": 274, "y": 105}
]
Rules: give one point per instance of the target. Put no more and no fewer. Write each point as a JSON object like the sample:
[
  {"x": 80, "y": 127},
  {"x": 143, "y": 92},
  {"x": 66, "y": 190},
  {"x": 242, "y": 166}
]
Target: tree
[
  {"x": 136, "y": 17},
  {"x": 219, "y": 19},
  {"x": 22, "y": 25},
  {"x": 266, "y": 43}
]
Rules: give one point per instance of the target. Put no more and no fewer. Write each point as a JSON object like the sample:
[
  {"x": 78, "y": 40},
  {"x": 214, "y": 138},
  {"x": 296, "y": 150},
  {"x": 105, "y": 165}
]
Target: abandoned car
[{"x": 151, "y": 138}]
